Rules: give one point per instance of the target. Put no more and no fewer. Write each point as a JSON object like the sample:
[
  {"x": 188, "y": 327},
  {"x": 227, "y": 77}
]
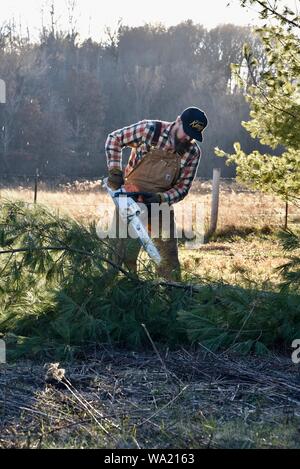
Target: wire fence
[
  {"x": 82, "y": 195},
  {"x": 83, "y": 183},
  {"x": 29, "y": 177}
]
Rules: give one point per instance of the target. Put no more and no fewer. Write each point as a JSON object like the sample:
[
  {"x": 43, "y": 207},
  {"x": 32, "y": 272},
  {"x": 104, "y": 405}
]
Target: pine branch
[
  {"x": 68, "y": 249},
  {"x": 276, "y": 13},
  {"x": 262, "y": 92}
]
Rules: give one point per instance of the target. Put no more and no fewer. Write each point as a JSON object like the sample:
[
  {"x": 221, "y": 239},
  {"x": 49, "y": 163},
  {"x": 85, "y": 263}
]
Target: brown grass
[
  {"x": 238, "y": 207},
  {"x": 237, "y": 255}
]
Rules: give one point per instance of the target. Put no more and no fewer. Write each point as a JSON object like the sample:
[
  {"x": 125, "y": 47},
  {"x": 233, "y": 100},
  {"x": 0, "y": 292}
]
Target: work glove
[
  {"x": 115, "y": 179},
  {"x": 152, "y": 198}
]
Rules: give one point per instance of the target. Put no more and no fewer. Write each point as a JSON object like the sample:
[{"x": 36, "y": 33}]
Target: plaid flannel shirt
[{"x": 139, "y": 136}]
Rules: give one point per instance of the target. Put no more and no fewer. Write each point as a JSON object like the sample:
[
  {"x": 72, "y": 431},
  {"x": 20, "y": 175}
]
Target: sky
[{"x": 93, "y": 16}]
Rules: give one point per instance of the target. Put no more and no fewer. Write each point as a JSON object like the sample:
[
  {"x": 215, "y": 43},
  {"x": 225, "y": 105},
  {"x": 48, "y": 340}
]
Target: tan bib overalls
[{"x": 157, "y": 172}]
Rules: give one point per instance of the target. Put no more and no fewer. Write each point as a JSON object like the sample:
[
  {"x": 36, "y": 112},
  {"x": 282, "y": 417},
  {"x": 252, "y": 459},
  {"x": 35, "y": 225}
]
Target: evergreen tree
[{"x": 273, "y": 92}]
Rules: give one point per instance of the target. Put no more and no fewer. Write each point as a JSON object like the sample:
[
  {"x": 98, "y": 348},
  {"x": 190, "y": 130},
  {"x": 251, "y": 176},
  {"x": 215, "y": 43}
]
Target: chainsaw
[{"x": 130, "y": 211}]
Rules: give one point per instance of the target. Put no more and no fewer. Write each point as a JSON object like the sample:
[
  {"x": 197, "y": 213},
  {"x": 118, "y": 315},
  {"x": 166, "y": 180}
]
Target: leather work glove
[
  {"x": 152, "y": 198},
  {"x": 115, "y": 178}
]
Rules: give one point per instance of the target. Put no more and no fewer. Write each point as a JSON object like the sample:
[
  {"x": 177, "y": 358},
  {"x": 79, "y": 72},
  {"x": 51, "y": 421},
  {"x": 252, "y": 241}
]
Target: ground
[
  {"x": 183, "y": 399},
  {"x": 165, "y": 399}
]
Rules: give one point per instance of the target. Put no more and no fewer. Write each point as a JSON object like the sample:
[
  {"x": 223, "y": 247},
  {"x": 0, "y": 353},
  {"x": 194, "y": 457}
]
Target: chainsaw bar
[{"x": 130, "y": 211}]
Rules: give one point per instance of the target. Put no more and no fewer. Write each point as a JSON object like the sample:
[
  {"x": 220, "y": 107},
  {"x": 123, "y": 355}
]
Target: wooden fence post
[
  {"x": 215, "y": 200},
  {"x": 36, "y": 180},
  {"x": 286, "y": 218}
]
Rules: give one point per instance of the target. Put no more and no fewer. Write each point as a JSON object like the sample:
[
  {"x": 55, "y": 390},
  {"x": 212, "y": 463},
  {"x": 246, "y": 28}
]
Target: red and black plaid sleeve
[{"x": 134, "y": 134}]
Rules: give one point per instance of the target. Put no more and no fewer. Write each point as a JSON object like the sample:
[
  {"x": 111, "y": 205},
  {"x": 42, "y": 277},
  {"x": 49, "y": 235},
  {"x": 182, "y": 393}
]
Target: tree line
[{"x": 64, "y": 96}]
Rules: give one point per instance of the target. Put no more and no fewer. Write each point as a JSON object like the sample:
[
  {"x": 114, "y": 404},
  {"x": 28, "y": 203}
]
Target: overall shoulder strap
[{"x": 158, "y": 126}]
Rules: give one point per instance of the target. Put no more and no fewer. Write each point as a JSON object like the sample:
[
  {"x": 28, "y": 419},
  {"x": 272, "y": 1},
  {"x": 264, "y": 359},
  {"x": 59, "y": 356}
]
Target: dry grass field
[
  {"x": 244, "y": 246},
  {"x": 239, "y": 207}
]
